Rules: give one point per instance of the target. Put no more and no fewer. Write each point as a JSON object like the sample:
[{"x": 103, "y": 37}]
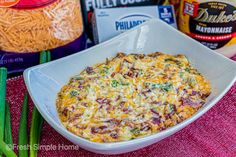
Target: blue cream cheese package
[{"x": 108, "y": 23}]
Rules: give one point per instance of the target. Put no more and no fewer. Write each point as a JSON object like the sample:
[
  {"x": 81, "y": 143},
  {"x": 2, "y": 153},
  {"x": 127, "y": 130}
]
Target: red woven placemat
[{"x": 214, "y": 134}]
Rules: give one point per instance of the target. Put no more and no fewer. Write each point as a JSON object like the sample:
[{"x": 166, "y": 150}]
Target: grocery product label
[
  {"x": 213, "y": 23},
  {"x": 130, "y": 21},
  {"x": 88, "y": 7},
  {"x": 93, "y": 4},
  {"x": 166, "y": 14},
  {"x": 8, "y": 3},
  {"x": 25, "y": 3},
  {"x": 17, "y": 62},
  {"x": 33, "y": 3},
  {"x": 118, "y": 20},
  {"x": 190, "y": 8}
]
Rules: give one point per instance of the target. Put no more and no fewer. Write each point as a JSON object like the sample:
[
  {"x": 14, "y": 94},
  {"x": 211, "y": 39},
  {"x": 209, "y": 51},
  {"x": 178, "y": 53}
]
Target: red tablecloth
[{"x": 212, "y": 135}]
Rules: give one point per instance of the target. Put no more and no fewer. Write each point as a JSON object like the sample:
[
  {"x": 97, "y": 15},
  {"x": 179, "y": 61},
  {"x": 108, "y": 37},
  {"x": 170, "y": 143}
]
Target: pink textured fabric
[{"x": 212, "y": 135}]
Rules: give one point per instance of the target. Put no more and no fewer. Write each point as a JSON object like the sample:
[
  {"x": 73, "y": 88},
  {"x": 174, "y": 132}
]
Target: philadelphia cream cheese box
[
  {"x": 110, "y": 22},
  {"x": 88, "y": 7}
]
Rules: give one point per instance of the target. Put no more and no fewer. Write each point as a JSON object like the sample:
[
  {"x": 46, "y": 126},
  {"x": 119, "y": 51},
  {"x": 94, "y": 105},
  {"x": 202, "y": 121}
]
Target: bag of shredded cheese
[{"x": 28, "y": 27}]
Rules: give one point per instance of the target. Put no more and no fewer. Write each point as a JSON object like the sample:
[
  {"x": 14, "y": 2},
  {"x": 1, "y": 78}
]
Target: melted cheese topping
[{"x": 131, "y": 96}]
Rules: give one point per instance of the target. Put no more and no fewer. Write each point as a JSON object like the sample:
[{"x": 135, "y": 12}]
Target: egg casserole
[{"x": 131, "y": 96}]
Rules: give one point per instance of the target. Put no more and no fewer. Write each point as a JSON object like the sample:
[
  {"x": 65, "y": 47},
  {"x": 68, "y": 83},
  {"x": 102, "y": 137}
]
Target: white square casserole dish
[{"x": 44, "y": 81}]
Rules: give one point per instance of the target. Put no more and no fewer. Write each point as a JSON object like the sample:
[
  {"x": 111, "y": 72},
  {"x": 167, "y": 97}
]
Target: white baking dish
[{"x": 44, "y": 81}]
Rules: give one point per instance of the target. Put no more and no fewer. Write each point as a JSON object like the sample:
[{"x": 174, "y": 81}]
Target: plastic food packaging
[
  {"x": 176, "y": 4},
  {"x": 28, "y": 27},
  {"x": 88, "y": 7},
  {"x": 211, "y": 22},
  {"x": 119, "y": 20}
]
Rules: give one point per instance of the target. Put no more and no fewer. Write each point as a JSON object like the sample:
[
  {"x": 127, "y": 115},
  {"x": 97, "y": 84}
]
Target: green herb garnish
[
  {"x": 77, "y": 78},
  {"x": 171, "y": 108},
  {"x": 169, "y": 59},
  {"x": 135, "y": 131},
  {"x": 73, "y": 93},
  {"x": 141, "y": 72},
  {"x": 188, "y": 69},
  {"x": 191, "y": 81},
  {"x": 181, "y": 74},
  {"x": 166, "y": 86},
  {"x": 125, "y": 84},
  {"x": 114, "y": 83},
  {"x": 104, "y": 70},
  {"x": 154, "y": 86}
]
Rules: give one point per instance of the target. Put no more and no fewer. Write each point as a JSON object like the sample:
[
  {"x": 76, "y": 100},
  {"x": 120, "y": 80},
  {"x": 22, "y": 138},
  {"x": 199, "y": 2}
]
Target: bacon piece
[
  {"x": 168, "y": 116},
  {"x": 188, "y": 101},
  {"x": 139, "y": 56},
  {"x": 145, "y": 92},
  {"x": 122, "y": 103},
  {"x": 120, "y": 55},
  {"x": 185, "y": 91},
  {"x": 158, "y": 103},
  {"x": 174, "y": 108},
  {"x": 162, "y": 128},
  {"x": 114, "y": 135},
  {"x": 204, "y": 96},
  {"x": 125, "y": 110},
  {"x": 155, "y": 54},
  {"x": 100, "y": 130},
  {"x": 103, "y": 101},
  {"x": 126, "y": 60},
  {"x": 65, "y": 112},
  {"x": 84, "y": 104},
  {"x": 132, "y": 72},
  {"x": 118, "y": 98},
  {"x": 202, "y": 102},
  {"x": 113, "y": 74},
  {"x": 94, "y": 130},
  {"x": 194, "y": 93},
  {"x": 145, "y": 127},
  {"x": 122, "y": 107},
  {"x": 80, "y": 127},
  {"x": 89, "y": 70},
  {"x": 114, "y": 121},
  {"x": 156, "y": 120},
  {"x": 80, "y": 86},
  {"x": 75, "y": 117},
  {"x": 155, "y": 112}
]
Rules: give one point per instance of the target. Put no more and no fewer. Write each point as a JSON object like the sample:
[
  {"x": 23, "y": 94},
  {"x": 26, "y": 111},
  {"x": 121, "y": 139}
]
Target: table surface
[{"x": 212, "y": 135}]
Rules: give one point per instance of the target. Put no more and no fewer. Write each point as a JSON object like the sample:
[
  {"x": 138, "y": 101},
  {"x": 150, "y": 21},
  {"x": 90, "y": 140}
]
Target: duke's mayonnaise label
[
  {"x": 211, "y": 22},
  {"x": 108, "y": 23}
]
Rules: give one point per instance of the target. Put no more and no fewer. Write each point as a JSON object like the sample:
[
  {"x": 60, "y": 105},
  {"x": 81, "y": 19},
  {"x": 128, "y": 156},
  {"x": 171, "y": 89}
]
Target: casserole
[
  {"x": 131, "y": 96},
  {"x": 45, "y": 81}
]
